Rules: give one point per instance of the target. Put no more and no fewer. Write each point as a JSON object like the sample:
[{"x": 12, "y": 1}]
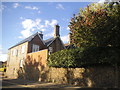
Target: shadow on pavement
[{"x": 9, "y": 82}]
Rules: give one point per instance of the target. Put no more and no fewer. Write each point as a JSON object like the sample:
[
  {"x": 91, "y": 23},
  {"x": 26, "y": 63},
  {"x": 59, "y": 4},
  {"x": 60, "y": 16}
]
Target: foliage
[
  {"x": 64, "y": 58},
  {"x": 96, "y": 31},
  {"x": 96, "y": 25},
  {"x": 84, "y": 57},
  {"x": 101, "y": 55}
]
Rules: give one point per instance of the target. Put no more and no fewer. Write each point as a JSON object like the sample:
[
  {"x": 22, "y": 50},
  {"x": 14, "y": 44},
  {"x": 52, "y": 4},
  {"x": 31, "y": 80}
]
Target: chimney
[
  {"x": 56, "y": 31},
  {"x": 69, "y": 38}
]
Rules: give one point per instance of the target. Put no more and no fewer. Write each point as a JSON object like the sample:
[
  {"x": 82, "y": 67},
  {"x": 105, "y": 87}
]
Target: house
[
  {"x": 69, "y": 45},
  {"x": 33, "y": 46}
]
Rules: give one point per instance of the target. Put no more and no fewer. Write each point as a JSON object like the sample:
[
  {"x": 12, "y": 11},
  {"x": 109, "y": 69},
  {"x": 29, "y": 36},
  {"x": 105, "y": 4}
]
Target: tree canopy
[{"x": 96, "y": 25}]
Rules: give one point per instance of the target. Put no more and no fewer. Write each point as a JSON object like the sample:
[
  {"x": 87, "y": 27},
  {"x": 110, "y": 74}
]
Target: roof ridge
[
  {"x": 26, "y": 39},
  {"x": 49, "y": 39}
]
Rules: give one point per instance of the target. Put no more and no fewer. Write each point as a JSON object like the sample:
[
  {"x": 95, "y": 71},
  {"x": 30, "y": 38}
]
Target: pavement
[
  {"x": 7, "y": 83},
  {"x": 20, "y": 83},
  {"x": 17, "y": 83}
]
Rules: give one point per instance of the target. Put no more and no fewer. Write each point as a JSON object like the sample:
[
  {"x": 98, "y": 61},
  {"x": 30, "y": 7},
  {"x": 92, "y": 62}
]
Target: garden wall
[
  {"x": 34, "y": 64},
  {"x": 99, "y": 76},
  {"x": 92, "y": 76}
]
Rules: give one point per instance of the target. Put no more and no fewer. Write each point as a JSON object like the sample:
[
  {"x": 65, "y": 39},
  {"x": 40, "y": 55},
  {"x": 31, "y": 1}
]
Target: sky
[{"x": 22, "y": 19}]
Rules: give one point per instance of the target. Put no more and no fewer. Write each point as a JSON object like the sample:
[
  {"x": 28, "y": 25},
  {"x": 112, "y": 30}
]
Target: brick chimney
[
  {"x": 69, "y": 38},
  {"x": 56, "y": 31}
]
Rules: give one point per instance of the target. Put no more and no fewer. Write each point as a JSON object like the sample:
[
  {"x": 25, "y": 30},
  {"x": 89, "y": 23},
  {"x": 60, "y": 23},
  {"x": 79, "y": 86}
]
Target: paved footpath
[
  {"x": 6, "y": 83},
  {"x": 19, "y": 83}
]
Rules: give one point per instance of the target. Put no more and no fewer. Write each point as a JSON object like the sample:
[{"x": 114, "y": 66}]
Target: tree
[{"x": 97, "y": 25}]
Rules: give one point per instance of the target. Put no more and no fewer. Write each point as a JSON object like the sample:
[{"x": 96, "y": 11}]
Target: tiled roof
[
  {"x": 49, "y": 41},
  {"x": 46, "y": 42},
  {"x": 27, "y": 39}
]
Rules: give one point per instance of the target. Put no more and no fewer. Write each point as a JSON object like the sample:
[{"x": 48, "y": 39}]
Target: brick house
[{"x": 33, "y": 46}]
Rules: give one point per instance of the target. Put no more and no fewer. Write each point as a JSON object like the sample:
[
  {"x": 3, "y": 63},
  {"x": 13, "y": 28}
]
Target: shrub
[
  {"x": 84, "y": 57},
  {"x": 64, "y": 58},
  {"x": 100, "y": 55},
  {"x": 96, "y": 25}
]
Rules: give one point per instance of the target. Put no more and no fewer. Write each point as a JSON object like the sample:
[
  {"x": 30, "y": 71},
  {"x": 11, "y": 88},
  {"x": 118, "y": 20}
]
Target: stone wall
[
  {"x": 13, "y": 62},
  {"x": 99, "y": 76},
  {"x": 36, "y": 40},
  {"x": 95, "y": 76},
  {"x": 57, "y": 45}
]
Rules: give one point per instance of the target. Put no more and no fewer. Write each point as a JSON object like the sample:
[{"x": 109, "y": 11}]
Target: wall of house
[
  {"x": 36, "y": 41},
  {"x": 13, "y": 62},
  {"x": 57, "y": 45},
  {"x": 35, "y": 62}
]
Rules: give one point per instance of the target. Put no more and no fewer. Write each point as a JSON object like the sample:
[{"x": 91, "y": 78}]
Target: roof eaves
[
  {"x": 62, "y": 42},
  {"x": 41, "y": 39},
  {"x": 24, "y": 41},
  {"x": 54, "y": 40},
  {"x": 51, "y": 42},
  {"x": 16, "y": 45}
]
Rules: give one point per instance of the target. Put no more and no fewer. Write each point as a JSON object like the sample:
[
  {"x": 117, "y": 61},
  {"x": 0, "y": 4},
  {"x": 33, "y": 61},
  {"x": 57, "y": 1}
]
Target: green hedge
[{"x": 84, "y": 57}]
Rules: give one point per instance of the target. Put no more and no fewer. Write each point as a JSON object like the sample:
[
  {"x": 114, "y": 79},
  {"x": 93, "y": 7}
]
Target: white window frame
[
  {"x": 23, "y": 49},
  {"x": 16, "y": 52},
  {"x": 35, "y": 48},
  {"x": 13, "y": 52},
  {"x": 21, "y": 63}
]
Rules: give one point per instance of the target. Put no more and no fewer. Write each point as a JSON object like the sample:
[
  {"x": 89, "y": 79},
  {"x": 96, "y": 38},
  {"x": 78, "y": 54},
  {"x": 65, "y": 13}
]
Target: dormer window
[{"x": 35, "y": 48}]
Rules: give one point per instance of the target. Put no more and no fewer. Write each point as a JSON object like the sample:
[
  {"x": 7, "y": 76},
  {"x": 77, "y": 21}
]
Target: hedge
[{"x": 81, "y": 57}]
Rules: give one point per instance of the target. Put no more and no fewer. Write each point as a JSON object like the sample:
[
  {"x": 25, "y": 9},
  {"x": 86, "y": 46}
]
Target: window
[
  {"x": 21, "y": 63},
  {"x": 16, "y": 52},
  {"x": 35, "y": 48},
  {"x": 23, "y": 49},
  {"x": 13, "y": 52}
]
